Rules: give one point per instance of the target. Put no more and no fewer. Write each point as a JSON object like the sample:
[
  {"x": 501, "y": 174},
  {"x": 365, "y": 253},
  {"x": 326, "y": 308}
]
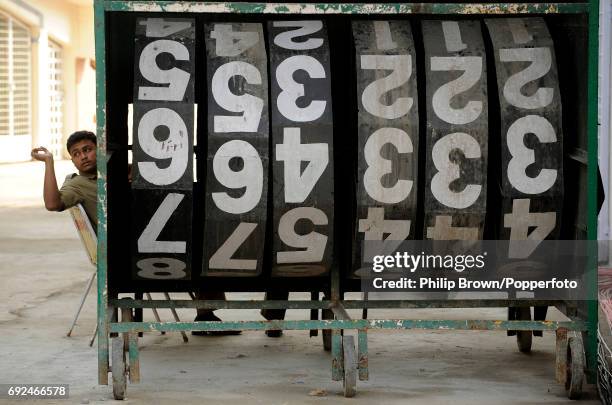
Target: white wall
[{"x": 69, "y": 23}]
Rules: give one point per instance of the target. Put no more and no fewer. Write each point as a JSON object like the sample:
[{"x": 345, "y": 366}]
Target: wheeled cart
[{"x": 421, "y": 143}]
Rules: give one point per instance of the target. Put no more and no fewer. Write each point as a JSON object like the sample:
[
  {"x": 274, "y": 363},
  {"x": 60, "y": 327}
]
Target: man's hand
[
  {"x": 51, "y": 194},
  {"x": 42, "y": 154}
]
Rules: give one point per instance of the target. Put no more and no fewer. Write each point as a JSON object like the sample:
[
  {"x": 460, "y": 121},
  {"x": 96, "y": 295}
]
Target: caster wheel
[{"x": 118, "y": 368}]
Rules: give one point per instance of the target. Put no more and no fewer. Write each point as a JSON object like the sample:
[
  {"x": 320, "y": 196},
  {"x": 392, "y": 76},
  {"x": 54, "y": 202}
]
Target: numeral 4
[
  {"x": 159, "y": 28},
  {"x": 444, "y": 230},
  {"x": 298, "y": 183},
  {"x": 375, "y": 227},
  {"x": 519, "y": 221},
  {"x": 232, "y": 43}
]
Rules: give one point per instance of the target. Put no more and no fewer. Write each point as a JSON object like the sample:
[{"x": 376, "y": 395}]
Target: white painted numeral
[
  {"x": 472, "y": 72},
  {"x": 161, "y": 268},
  {"x": 452, "y": 36},
  {"x": 449, "y": 171},
  {"x": 523, "y": 156},
  {"x": 299, "y": 183},
  {"x": 384, "y": 39},
  {"x": 314, "y": 243},
  {"x": 292, "y": 90},
  {"x": 286, "y": 39},
  {"x": 443, "y": 229},
  {"x": 222, "y": 259},
  {"x": 232, "y": 43},
  {"x": 249, "y": 105},
  {"x": 375, "y": 227},
  {"x": 159, "y": 28},
  {"x": 520, "y": 34},
  {"x": 541, "y": 63},
  {"x": 176, "y": 79},
  {"x": 401, "y": 70},
  {"x": 147, "y": 242},
  {"x": 175, "y": 147},
  {"x": 519, "y": 221},
  {"x": 378, "y": 166},
  {"x": 249, "y": 177}
]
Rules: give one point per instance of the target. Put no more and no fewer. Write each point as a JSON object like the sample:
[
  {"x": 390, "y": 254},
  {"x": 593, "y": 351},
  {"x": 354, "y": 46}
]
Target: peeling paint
[
  {"x": 318, "y": 9},
  {"x": 346, "y": 8}
]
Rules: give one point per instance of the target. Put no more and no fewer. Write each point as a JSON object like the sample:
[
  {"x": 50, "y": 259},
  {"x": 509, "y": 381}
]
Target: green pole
[
  {"x": 103, "y": 327},
  {"x": 592, "y": 304}
]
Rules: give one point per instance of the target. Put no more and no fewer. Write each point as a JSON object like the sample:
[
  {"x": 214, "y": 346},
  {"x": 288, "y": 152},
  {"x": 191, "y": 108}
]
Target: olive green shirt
[{"x": 81, "y": 189}]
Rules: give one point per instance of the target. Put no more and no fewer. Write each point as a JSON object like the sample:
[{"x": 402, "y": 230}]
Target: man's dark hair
[{"x": 79, "y": 136}]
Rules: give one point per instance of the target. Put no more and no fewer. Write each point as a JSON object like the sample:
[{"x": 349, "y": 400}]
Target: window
[
  {"x": 56, "y": 99},
  {"x": 15, "y": 78}
]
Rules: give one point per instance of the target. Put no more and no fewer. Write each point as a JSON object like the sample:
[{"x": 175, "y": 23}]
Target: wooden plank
[
  {"x": 238, "y": 142},
  {"x": 388, "y": 129},
  {"x": 162, "y": 186},
  {"x": 457, "y": 128},
  {"x": 302, "y": 139}
]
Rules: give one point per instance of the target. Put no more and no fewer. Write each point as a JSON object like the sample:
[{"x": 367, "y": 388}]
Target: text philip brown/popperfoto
[{"x": 408, "y": 264}]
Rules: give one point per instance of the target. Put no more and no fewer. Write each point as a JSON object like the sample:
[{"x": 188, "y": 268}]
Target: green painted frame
[{"x": 104, "y": 310}]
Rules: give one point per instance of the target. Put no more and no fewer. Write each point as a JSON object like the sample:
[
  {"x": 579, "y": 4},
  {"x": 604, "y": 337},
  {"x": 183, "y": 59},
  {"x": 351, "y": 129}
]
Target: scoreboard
[{"x": 314, "y": 135}]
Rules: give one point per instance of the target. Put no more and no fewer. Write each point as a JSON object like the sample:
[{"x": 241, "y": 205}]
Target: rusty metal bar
[
  {"x": 337, "y": 324},
  {"x": 325, "y": 304},
  {"x": 346, "y": 8}
]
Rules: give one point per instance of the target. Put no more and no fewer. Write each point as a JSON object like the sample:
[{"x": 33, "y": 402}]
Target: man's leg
[
  {"x": 206, "y": 314},
  {"x": 271, "y": 314}
]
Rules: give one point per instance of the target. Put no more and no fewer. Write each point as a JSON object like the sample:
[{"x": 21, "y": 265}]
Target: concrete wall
[{"x": 70, "y": 24}]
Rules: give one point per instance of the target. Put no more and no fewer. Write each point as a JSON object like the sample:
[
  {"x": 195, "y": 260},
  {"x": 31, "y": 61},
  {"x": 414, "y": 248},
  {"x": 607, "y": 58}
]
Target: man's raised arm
[{"x": 51, "y": 194}]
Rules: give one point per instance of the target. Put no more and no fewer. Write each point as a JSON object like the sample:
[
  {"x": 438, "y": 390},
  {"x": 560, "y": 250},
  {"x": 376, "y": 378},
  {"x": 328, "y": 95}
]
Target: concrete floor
[{"x": 44, "y": 270}]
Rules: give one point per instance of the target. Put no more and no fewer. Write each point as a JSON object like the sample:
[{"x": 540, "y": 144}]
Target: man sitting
[
  {"x": 78, "y": 188},
  {"x": 82, "y": 189}
]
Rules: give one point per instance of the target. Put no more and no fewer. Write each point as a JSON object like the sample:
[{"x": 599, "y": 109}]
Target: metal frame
[{"x": 335, "y": 303}]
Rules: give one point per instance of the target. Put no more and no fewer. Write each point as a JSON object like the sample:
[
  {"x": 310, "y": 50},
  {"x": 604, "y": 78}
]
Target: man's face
[{"x": 83, "y": 155}]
